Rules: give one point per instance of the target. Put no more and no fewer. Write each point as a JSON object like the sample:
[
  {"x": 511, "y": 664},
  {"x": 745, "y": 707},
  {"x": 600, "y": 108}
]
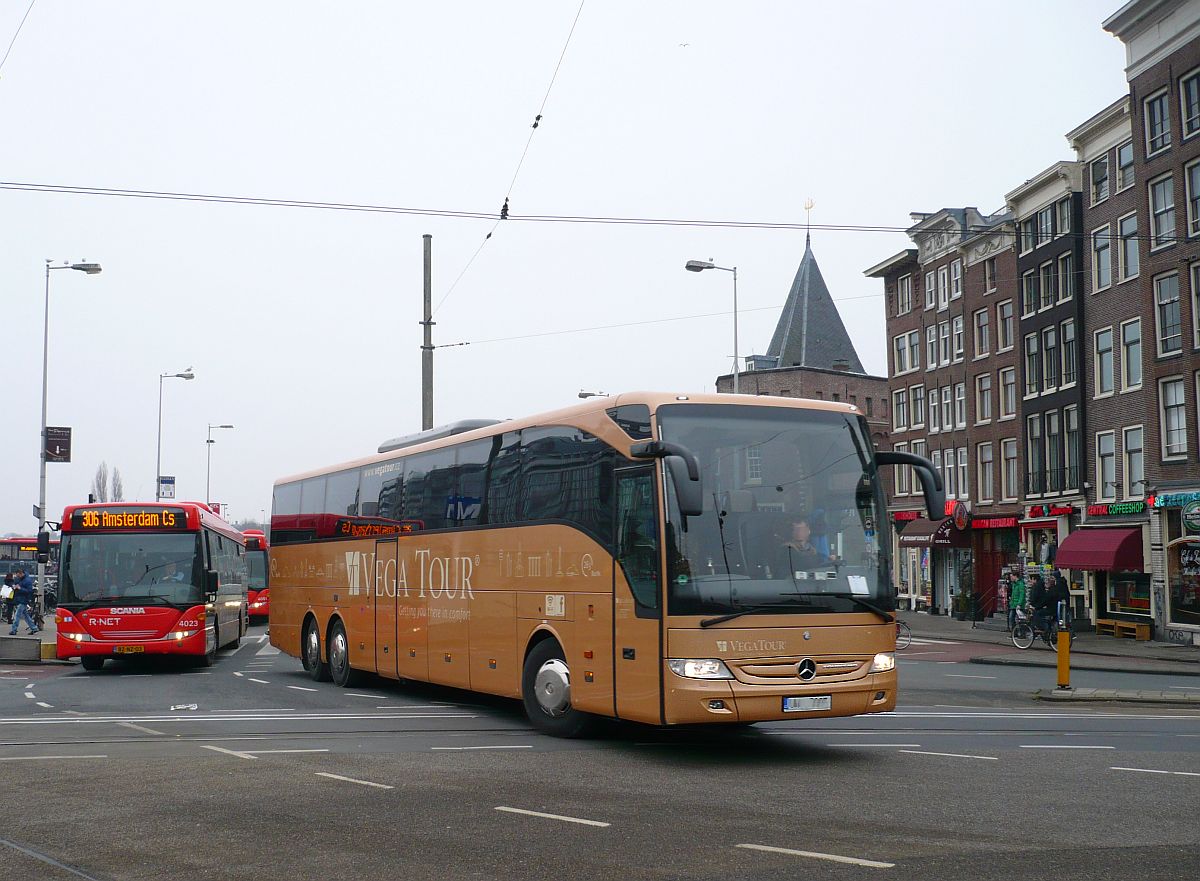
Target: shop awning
[
  {"x": 1103, "y": 550},
  {"x": 922, "y": 533}
]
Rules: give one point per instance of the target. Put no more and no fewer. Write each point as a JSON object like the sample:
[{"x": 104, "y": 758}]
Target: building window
[
  {"x": 983, "y": 398},
  {"x": 960, "y": 405},
  {"x": 1071, "y": 450},
  {"x": 936, "y": 459},
  {"x": 1004, "y": 326},
  {"x": 1127, "y": 233},
  {"x": 944, "y": 343},
  {"x": 870, "y": 407},
  {"x": 1174, "y": 428},
  {"x": 1104, "y": 361},
  {"x": 1008, "y": 392},
  {"x": 1033, "y": 365},
  {"x": 947, "y": 414},
  {"x": 1066, "y": 277},
  {"x": 943, "y": 287},
  {"x": 914, "y": 350},
  {"x": 904, "y": 295},
  {"x": 1063, "y": 218},
  {"x": 1099, "y": 176},
  {"x": 1166, "y": 313},
  {"x": 1132, "y": 442},
  {"x": 935, "y": 412},
  {"x": 955, "y": 279},
  {"x": 1196, "y": 305},
  {"x": 903, "y": 475},
  {"x": 957, "y": 333},
  {"x": 989, "y": 275},
  {"x": 1029, "y": 292},
  {"x": 930, "y": 302},
  {"x": 1048, "y": 285},
  {"x": 900, "y": 354},
  {"x": 1028, "y": 235},
  {"x": 964, "y": 485},
  {"x": 1189, "y": 103},
  {"x": 1008, "y": 452},
  {"x": 1035, "y": 456},
  {"x": 1162, "y": 212},
  {"x": 1045, "y": 220},
  {"x": 1068, "y": 352},
  {"x": 1049, "y": 358},
  {"x": 1191, "y": 183},
  {"x": 1125, "y": 165},
  {"x": 983, "y": 343},
  {"x": 1101, "y": 259},
  {"x": 917, "y": 401},
  {"x": 1054, "y": 473},
  {"x": 948, "y": 473},
  {"x": 1131, "y": 355},
  {"x": 931, "y": 347},
  {"x": 1106, "y": 466},
  {"x": 1158, "y": 124},
  {"x": 900, "y": 410},
  {"x": 983, "y": 471}
]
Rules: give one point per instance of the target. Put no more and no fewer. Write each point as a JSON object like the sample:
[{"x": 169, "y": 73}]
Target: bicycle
[
  {"x": 903, "y": 635},
  {"x": 1027, "y": 629}
]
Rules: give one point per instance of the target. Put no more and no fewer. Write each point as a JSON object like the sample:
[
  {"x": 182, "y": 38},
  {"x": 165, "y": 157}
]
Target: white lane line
[
  {"x": 352, "y": 780},
  {"x": 909, "y": 745},
  {"x": 236, "y": 673},
  {"x": 228, "y": 752},
  {"x": 1062, "y": 746},
  {"x": 259, "y": 681},
  {"x": 135, "y": 675},
  {"x": 267, "y": 651},
  {"x": 30, "y": 695},
  {"x": 578, "y": 820},
  {"x": 262, "y": 752},
  {"x": 262, "y": 638},
  {"x": 46, "y": 705},
  {"x": 926, "y": 640},
  {"x": 44, "y": 758},
  {"x": 918, "y": 752},
  {"x": 142, "y": 728},
  {"x": 1185, "y": 687},
  {"x": 28, "y": 686},
  {"x": 966, "y": 676},
  {"x": 1152, "y": 771},
  {"x": 374, "y": 697},
  {"x": 301, "y": 688},
  {"x": 514, "y": 746},
  {"x": 832, "y": 857},
  {"x": 252, "y": 716}
]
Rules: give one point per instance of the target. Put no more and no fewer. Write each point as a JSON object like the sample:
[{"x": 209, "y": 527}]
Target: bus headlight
[
  {"x": 884, "y": 661},
  {"x": 699, "y": 668},
  {"x": 181, "y": 634}
]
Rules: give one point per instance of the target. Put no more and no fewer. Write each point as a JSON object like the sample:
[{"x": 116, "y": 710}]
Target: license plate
[
  {"x": 128, "y": 649},
  {"x": 807, "y": 704}
]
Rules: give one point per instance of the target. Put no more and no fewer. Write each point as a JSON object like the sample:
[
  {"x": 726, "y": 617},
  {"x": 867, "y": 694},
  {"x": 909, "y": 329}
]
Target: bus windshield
[
  {"x": 791, "y": 513},
  {"x": 131, "y": 567},
  {"x": 257, "y": 561}
]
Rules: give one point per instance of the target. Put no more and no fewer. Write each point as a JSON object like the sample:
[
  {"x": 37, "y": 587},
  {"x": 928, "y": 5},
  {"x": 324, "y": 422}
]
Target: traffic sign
[
  {"x": 166, "y": 487},
  {"x": 58, "y": 443}
]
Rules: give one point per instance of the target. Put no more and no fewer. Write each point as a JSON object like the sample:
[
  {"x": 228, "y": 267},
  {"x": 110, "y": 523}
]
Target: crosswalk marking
[{"x": 266, "y": 650}]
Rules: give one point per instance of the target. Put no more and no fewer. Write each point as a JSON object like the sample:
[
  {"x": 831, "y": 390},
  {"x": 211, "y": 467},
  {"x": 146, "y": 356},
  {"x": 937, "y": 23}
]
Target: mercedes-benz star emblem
[{"x": 806, "y": 669}]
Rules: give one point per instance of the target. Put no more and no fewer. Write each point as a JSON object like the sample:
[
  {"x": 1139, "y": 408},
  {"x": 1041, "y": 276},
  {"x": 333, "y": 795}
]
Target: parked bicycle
[
  {"x": 1029, "y": 627},
  {"x": 903, "y": 635}
]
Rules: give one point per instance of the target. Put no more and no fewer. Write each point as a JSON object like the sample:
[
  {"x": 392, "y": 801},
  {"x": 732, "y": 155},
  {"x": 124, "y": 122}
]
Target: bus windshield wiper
[
  {"x": 763, "y": 607},
  {"x": 866, "y": 604}
]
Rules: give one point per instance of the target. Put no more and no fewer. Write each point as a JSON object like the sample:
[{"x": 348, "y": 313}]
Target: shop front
[
  {"x": 913, "y": 575},
  {"x": 1179, "y": 519},
  {"x": 994, "y": 548},
  {"x": 1043, "y": 530},
  {"x": 1109, "y": 552},
  {"x": 946, "y": 544}
]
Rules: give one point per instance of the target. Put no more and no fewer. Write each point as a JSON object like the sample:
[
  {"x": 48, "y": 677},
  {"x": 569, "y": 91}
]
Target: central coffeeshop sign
[
  {"x": 1116, "y": 509},
  {"x": 128, "y": 517}
]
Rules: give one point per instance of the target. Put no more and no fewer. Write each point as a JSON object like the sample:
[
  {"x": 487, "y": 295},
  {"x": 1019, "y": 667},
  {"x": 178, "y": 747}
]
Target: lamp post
[
  {"x": 88, "y": 269},
  {"x": 187, "y": 374},
  {"x": 208, "y": 470},
  {"x": 584, "y": 394},
  {"x": 700, "y": 266}
]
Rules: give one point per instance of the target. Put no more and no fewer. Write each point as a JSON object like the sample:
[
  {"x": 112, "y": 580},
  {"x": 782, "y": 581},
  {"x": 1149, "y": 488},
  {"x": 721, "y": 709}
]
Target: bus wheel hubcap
[
  {"x": 314, "y": 648},
  {"x": 553, "y": 687},
  {"x": 337, "y": 652}
]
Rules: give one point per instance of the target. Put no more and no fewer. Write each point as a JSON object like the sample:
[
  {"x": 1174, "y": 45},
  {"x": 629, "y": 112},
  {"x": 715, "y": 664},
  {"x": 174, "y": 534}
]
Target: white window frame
[
  {"x": 1126, "y": 385},
  {"x": 900, "y": 354},
  {"x": 1050, "y": 383},
  {"x": 1160, "y": 239},
  {"x": 983, "y": 399},
  {"x": 930, "y": 291},
  {"x": 1127, "y": 486},
  {"x": 916, "y": 415},
  {"x": 956, "y": 279},
  {"x": 1034, "y": 444},
  {"x": 904, "y": 301},
  {"x": 1101, "y": 240},
  {"x": 1011, "y": 413},
  {"x": 948, "y": 478},
  {"x": 1070, "y": 457},
  {"x": 1030, "y": 279},
  {"x": 1096, "y": 196},
  {"x": 947, "y": 409},
  {"x": 1191, "y": 195},
  {"x": 931, "y": 347},
  {"x": 982, "y": 343},
  {"x": 944, "y": 351},
  {"x": 985, "y": 488},
  {"x": 989, "y": 275},
  {"x": 964, "y": 477},
  {"x": 914, "y": 350},
  {"x": 1009, "y": 491},
  {"x": 1047, "y": 280},
  {"x": 1178, "y": 455},
  {"x": 958, "y": 342},
  {"x": 1165, "y": 136},
  {"x": 1124, "y": 240},
  {"x": 934, "y": 422},
  {"x": 1065, "y": 360},
  {"x": 943, "y": 288},
  {"x": 1194, "y": 274},
  {"x": 903, "y": 475},
  {"x": 1098, "y": 392},
  {"x": 960, "y": 405},
  {"x": 900, "y": 410},
  {"x": 1066, "y": 277},
  {"x": 1000, "y": 324},
  {"x": 1158, "y": 328},
  {"x": 1062, "y": 217},
  {"x": 1125, "y": 174},
  {"x": 1106, "y": 491},
  {"x": 1192, "y": 75},
  {"x": 1032, "y": 386},
  {"x": 1027, "y": 234}
]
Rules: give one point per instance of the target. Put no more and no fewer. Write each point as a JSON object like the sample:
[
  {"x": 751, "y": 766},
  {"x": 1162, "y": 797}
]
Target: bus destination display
[{"x": 129, "y": 517}]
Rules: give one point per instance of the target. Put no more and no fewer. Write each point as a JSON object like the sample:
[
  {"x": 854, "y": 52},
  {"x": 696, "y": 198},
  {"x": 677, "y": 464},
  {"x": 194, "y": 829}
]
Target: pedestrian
[
  {"x": 1016, "y": 597},
  {"x": 8, "y": 593},
  {"x": 24, "y": 598},
  {"x": 1060, "y": 596}
]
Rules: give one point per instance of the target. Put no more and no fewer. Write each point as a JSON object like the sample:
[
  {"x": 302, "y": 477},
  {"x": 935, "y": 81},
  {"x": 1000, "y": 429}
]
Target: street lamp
[
  {"x": 584, "y": 394},
  {"x": 700, "y": 266},
  {"x": 187, "y": 374},
  {"x": 208, "y": 472},
  {"x": 89, "y": 269}
]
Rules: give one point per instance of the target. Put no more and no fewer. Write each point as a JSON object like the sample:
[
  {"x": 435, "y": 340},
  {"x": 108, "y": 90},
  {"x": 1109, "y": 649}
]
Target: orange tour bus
[
  {"x": 258, "y": 585},
  {"x": 150, "y": 578},
  {"x": 652, "y": 557}
]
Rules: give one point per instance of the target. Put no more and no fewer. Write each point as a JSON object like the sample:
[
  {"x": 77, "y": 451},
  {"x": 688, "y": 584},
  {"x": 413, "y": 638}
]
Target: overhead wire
[{"x": 13, "y": 41}]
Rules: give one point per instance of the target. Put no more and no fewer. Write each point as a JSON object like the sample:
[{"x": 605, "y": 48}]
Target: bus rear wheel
[
  {"x": 340, "y": 671},
  {"x": 310, "y": 653},
  {"x": 546, "y": 691},
  {"x": 92, "y": 662}
]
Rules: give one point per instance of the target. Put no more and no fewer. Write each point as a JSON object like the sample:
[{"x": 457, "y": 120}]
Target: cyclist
[
  {"x": 1016, "y": 597},
  {"x": 1043, "y": 603}
]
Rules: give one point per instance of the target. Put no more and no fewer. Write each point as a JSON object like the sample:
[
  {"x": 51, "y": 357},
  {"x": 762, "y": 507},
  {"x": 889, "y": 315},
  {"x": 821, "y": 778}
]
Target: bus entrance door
[
  {"x": 637, "y": 613},
  {"x": 385, "y": 607}
]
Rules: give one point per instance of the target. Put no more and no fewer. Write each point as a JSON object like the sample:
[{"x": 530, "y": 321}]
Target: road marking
[
  {"x": 910, "y": 745},
  {"x": 46, "y": 705},
  {"x": 1062, "y": 746},
  {"x": 301, "y": 688},
  {"x": 259, "y": 681},
  {"x": 262, "y": 638},
  {"x": 44, "y": 758},
  {"x": 230, "y": 716},
  {"x": 142, "y": 728},
  {"x": 1186, "y": 687},
  {"x": 918, "y": 752},
  {"x": 267, "y": 651},
  {"x": 966, "y": 676},
  {"x": 48, "y": 860},
  {"x": 1151, "y": 771},
  {"x": 352, "y": 780},
  {"x": 260, "y": 752},
  {"x": 30, "y": 694},
  {"x": 926, "y": 640},
  {"x": 579, "y": 820},
  {"x": 228, "y": 752},
  {"x": 236, "y": 673},
  {"x": 374, "y": 697},
  {"x": 832, "y": 857},
  {"x": 514, "y": 746}
]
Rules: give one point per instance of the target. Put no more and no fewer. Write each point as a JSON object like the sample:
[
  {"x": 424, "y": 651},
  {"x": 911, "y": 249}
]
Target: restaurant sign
[{"x": 1051, "y": 510}]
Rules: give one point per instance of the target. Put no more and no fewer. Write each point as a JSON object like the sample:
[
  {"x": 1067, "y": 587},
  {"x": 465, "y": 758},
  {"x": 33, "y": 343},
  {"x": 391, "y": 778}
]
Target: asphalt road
[{"x": 113, "y": 775}]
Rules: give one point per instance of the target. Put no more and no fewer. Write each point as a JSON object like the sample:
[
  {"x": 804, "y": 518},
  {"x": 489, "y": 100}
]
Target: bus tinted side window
[
  {"x": 341, "y": 493},
  {"x": 429, "y": 486},
  {"x": 567, "y": 475},
  {"x": 503, "y": 501},
  {"x": 470, "y": 472}
]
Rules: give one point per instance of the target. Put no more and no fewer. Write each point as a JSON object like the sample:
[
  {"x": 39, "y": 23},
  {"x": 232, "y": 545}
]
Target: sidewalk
[
  {"x": 29, "y": 649},
  {"x": 1088, "y": 652}
]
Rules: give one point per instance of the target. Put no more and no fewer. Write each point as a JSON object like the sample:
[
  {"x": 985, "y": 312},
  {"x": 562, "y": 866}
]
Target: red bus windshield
[{"x": 143, "y": 568}]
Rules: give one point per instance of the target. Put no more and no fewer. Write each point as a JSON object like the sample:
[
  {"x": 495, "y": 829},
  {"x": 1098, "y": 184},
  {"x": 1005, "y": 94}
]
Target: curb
[
  {"x": 1119, "y": 697},
  {"x": 1051, "y": 664},
  {"x": 1163, "y": 659}
]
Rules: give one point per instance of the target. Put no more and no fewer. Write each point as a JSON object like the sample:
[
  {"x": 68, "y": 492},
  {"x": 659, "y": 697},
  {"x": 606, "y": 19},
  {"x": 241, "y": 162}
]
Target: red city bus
[
  {"x": 152, "y": 578},
  {"x": 258, "y": 586},
  {"x": 25, "y": 549}
]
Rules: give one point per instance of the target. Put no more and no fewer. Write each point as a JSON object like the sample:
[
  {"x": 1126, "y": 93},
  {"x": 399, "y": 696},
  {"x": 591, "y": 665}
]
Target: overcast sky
[{"x": 302, "y": 325}]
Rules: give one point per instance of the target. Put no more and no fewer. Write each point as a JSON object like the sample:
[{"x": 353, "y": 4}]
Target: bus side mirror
[
  {"x": 684, "y": 469},
  {"x": 253, "y": 544},
  {"x": 43, "y": 547},
  {"x": 212, "y": 582},
  {"x": 931, "y": 481}
]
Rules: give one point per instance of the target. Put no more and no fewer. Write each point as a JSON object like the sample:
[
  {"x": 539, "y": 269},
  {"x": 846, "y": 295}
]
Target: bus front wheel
[
  {"x": 546, "y": 691},
  {"x": 92, "y": 662},
  {"x": 310, "y": 654}
]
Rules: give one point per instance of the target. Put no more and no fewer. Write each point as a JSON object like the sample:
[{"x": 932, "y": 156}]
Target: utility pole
[{"x": 427, "y": 346}]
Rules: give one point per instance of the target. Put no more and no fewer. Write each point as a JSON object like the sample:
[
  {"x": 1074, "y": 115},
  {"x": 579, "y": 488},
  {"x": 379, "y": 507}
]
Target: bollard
[{"x": 1064, "y": 653}]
